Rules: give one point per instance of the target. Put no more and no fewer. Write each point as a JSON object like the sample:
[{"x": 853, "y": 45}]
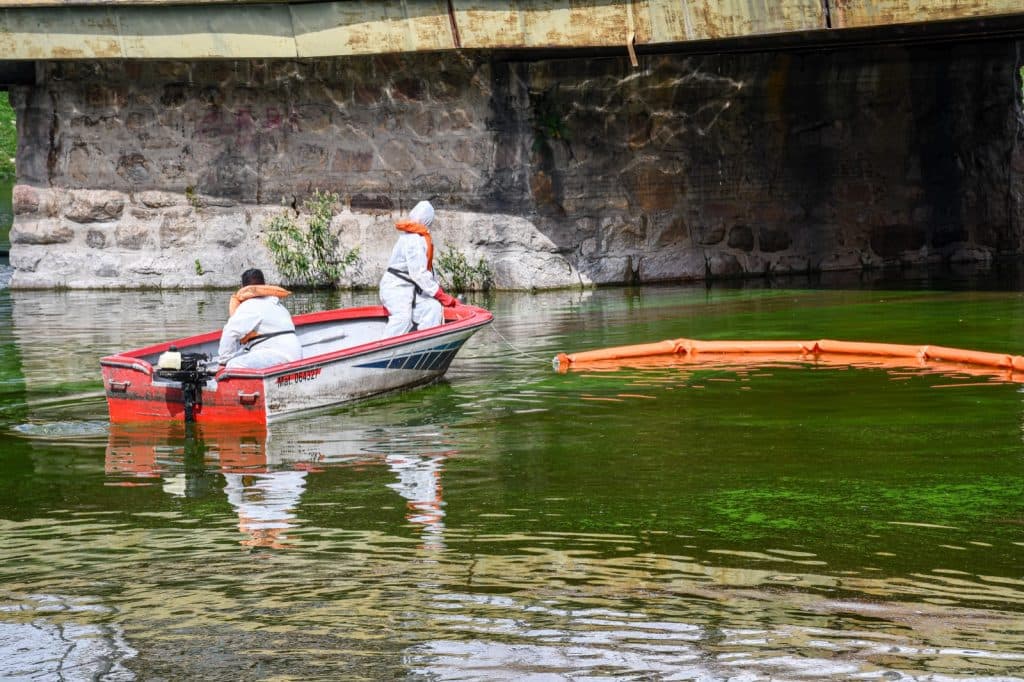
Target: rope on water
[{"x": 508, "y": 343}]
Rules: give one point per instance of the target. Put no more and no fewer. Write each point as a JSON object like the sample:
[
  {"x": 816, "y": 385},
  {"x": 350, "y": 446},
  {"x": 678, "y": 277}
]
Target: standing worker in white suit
[{"x": 409, "y": 289}]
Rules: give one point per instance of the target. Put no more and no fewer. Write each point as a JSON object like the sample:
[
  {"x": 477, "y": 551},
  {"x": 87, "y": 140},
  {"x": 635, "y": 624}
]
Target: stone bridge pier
[{"x": 640, "y": 162}]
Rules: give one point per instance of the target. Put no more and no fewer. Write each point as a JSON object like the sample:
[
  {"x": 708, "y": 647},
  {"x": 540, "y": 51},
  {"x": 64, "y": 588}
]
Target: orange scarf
[
  {"x": 254, "y": 291},
  {"x": 412, "y": 227}
]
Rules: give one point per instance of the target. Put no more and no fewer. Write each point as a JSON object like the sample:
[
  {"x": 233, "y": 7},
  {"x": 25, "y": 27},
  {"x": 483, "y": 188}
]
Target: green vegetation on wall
[
  {"x": 458, "y": 274},
  {"x": 309, "y": 255},
  {"x": 8, "y": 138}
]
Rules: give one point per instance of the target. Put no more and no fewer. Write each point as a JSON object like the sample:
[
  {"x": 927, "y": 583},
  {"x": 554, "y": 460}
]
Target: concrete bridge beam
[{"x": 166, "y": 29}]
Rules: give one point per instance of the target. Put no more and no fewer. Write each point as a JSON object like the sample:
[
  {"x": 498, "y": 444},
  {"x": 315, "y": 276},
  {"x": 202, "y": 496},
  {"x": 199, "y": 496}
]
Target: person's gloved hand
[{"x": 446, "y": 300}]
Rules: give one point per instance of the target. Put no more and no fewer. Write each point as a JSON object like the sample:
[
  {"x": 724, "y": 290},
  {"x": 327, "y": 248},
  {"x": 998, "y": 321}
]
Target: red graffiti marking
[{"x": 299, "y": 377}]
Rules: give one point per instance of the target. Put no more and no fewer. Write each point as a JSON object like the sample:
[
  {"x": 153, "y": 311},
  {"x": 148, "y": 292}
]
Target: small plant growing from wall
[
  {"x": 457, "y": 274},
  {"x": 192, "y": 198},
  {"x": 549, "y": 123},
  {"x": 199, "y": 268},
  {"x": 308, "y": 255}
]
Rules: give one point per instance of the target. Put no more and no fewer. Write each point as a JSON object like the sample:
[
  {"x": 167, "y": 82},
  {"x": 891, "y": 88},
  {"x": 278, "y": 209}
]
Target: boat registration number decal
[{"x": 299, "y": 377}]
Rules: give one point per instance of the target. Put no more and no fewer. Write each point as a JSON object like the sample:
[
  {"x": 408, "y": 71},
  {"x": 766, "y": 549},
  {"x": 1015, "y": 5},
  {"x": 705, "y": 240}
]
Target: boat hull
[{"x": 355, "y": 364}]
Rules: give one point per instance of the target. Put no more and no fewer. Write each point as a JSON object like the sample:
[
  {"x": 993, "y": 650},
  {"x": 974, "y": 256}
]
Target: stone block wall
[{"x": 558, "y": 172}]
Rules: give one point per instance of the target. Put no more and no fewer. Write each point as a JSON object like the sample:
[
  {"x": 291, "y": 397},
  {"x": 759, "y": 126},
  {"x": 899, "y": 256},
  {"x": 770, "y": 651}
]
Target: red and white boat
[{"x": 345, "y": 359}]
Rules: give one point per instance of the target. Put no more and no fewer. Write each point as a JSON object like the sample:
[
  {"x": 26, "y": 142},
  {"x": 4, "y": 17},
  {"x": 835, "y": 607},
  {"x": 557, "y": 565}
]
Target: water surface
[{"x": 786, "y": 521}]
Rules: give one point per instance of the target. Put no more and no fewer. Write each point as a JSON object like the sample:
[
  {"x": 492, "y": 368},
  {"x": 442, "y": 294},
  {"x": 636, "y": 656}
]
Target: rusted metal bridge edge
[{"x": 237, "y": 29}]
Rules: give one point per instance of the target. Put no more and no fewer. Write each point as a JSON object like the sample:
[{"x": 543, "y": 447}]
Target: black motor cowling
[{"x": 191, "y": 372}]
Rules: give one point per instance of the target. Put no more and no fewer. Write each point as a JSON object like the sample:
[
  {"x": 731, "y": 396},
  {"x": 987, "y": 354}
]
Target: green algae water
[{"x": 790, "y": 520}]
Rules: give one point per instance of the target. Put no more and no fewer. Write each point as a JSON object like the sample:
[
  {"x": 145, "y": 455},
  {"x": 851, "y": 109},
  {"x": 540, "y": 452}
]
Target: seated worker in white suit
[
  {"x": 409, "y": 289},
  {"x": 260, "y": 331}
]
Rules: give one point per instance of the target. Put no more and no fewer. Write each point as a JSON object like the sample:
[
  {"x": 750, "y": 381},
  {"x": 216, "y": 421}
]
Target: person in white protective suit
[
  {"x": 409, "y": 289},
  {"x": 260, "y": 331}
]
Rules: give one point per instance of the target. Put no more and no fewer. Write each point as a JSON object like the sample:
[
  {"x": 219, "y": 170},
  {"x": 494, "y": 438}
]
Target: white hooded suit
[{"x": 406, "y": 304}]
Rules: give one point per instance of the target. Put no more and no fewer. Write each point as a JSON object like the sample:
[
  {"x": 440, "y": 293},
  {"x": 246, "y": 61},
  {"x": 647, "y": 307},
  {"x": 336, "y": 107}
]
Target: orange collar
[
  {"x": 412, "y": 227},
  {"x": 254, "y": 291}
]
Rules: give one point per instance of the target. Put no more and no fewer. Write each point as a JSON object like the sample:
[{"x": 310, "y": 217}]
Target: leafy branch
[
  {"x": 309, "y": 254},
  {"x": 458, "y": 275}
]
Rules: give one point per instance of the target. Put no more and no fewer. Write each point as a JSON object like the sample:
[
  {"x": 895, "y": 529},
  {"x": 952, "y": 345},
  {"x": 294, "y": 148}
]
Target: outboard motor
[{"x": 190, "y": 369}]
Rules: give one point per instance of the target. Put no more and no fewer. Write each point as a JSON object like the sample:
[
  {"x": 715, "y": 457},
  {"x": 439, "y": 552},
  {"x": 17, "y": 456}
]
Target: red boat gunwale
[{"x": 455, "y": 320}]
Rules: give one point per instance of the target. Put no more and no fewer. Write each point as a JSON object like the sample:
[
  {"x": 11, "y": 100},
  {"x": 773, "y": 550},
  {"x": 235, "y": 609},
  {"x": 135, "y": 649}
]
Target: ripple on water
[
  {"x": 506, "y": 638},
  {"x": 49, "y": 636},
  {"x": 526, "y": 610},
  {"x": 63, "y": 430}
]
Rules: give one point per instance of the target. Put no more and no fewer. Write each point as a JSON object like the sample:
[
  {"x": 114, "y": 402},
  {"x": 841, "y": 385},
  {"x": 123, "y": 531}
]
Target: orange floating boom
[{"x": 693, "y": 348}]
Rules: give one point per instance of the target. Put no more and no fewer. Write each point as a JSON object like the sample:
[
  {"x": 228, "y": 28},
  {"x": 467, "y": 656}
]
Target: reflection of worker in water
[
  {"x": 419, "y": 482},
  {"x": 265, "y": 504}
]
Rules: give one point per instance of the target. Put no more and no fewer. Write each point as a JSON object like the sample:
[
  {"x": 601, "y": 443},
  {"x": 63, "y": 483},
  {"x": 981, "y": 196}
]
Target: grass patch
[{"x": 8, "y": 138}]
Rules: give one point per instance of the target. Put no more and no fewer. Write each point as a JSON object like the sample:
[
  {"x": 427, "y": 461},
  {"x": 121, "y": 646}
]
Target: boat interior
[{"x": 317, "y": 338}]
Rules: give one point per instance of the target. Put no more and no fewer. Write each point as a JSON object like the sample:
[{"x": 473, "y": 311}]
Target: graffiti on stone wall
[{"x": 685, "y": 167}]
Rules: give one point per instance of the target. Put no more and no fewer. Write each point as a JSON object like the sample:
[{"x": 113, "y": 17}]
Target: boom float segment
[{"x": 785, "y": 350}]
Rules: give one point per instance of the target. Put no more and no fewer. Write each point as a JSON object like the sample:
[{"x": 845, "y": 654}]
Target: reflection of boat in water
[
  {"x": 264, "y": 474},
  {"x": 345, "y": 360},
  {"x": 150, "y": 451}
]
